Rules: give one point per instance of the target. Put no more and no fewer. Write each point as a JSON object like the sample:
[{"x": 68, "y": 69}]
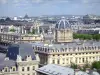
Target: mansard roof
[{"x": 22, "y": 49}]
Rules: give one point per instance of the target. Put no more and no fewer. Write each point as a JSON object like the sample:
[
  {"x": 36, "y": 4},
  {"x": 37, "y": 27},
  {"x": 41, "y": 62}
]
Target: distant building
[
  {"x": 15, "y": 18},
  {"x": 89, "y": 31},
  {"x": 17, "y": 37},
  {"x": 77, "y": 27}
]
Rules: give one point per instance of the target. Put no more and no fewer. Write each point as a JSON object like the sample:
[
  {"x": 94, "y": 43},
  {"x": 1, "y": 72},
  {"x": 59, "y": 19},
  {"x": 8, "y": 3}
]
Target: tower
[{"x": 63, "y": 32}]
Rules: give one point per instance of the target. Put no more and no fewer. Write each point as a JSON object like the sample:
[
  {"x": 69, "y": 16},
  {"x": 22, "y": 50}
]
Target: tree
[
  {"x": 33, "y": 31},
  {"x": 74, "y": 66},
  {"x": 87, "y": 65},
  {"x": 12, "y": 30},
  {"x": 86, "y": 36},
  {"x": 96, "y": 65},
  {"x": 96, "y": 36}
]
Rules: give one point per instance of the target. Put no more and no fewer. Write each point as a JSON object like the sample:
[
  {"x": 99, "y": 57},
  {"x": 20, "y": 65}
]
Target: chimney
[
  {"x": 28, "y": 58},
  {"x": 75, "y": 71},
  {"x": 87, "y": 70},
  {"x": 19, "y": 59},
  {"x": 37, "y": 57}
]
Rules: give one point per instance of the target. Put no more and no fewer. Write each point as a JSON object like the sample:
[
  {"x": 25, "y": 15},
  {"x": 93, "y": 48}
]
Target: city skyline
[{"x": 49, "y": 7}]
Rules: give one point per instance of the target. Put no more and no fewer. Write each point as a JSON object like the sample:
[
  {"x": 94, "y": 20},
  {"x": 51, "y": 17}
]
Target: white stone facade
[
  {"x": 66, "y": 55},
  {"x": 22, "y": 67}
]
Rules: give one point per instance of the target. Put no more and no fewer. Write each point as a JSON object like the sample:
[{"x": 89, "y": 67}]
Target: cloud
[
  {"x": 3, "y": 1},
  {"x": 91, "y": 1},
  {"x": 49, "y": 1}
]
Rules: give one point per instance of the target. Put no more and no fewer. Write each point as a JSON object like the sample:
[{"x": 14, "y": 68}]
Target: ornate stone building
[
  {"x": 19, "y": 60},
  {"x": 16, "y": 37},
  {"x": 63, "y": 32},
  {"x": 64, "y": 54}
]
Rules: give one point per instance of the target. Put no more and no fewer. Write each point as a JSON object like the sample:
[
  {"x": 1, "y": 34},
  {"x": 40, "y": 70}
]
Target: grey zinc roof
[
  {"x": 26, "y": 49},
  {"x": 70, "y": 45},
  {"x": 95, "y": 73},
  {"x": 4, "y": 63},
  {"x": 48, "y": 36},
  {"x": 91, "y": 72},
  {"x": 52, "y": 69},
  {"x": 81, "y": 73}
]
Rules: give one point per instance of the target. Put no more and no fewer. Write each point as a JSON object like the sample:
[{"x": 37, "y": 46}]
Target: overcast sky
[{"x": 49, "y": 7}]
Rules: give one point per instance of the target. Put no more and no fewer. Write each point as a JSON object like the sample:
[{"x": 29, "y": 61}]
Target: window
[
  {"x": 58, "y": 61},
  {"x": 22, "y": 68},
  {"x": 63, "y": 60},
  {"x": 13, "y": 69},
  {"x": 76, "y": 60},
  {"x": 33, "y": 67},
  {"x": 22, "y": 37},
  {"x": 33, "y": 73},
  {"x": 53, "y": 55},
  {"x": 83, "y": 60},
  {"x": 53, "y": 61},
  {"x": 28, "y": 68},
  {"x": 6, "y": 69}
]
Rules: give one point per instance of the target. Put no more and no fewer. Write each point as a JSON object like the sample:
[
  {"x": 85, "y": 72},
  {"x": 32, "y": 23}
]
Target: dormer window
[
  {"x": 13, "y": 69},
  {"x": 6, "y": 69},
  {"x": 28, "y": 55}
]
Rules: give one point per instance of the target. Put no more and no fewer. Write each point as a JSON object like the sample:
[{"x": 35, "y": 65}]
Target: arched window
[{"x": 6, "y": 69}]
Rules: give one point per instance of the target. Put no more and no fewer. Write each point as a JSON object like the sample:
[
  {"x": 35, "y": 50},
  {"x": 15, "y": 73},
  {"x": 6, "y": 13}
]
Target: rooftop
[
  {"x": 52, "y": 69},
  {"x": 62, "y": 24},
  {"x": 4, "y": 63},
  {"x": 75, "y": 44},
  {"x": 22, "y": 49},
  {"x": 18, "y": 34}
]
